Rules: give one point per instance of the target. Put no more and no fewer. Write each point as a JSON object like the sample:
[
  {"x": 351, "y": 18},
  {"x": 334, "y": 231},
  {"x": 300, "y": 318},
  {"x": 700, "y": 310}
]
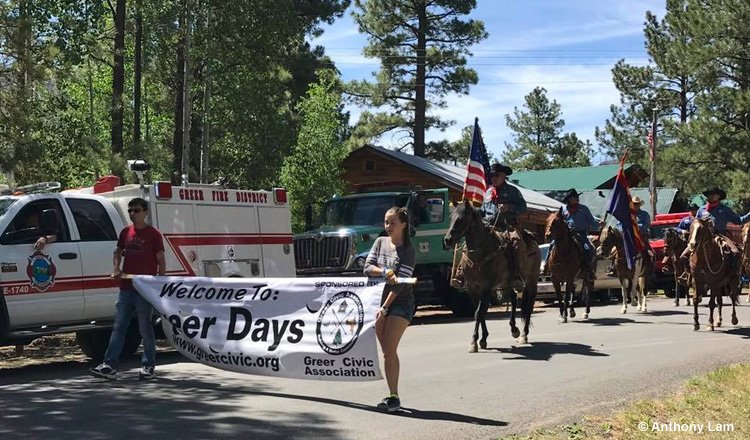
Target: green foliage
[
  {"x": 423, "y": 47},
  {"x": 539, "y": 142},
  {"x": 312, "y": 173}
]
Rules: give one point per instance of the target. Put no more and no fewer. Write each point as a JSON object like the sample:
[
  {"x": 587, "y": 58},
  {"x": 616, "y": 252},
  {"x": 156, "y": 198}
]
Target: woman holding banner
[{"x": 392, "y": 257}]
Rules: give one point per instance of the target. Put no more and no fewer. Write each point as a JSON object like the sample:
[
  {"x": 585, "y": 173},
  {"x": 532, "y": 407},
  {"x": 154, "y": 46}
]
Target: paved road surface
[{"x": 569, "y": 370}]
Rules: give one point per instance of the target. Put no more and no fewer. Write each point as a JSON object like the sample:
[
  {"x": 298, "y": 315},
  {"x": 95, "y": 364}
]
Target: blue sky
[{"x": 565, "y": 46}]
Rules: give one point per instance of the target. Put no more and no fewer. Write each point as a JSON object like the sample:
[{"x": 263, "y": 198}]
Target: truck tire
[
  {"x": 669, "y": 292},
  {"x": 94, "y": 343}
]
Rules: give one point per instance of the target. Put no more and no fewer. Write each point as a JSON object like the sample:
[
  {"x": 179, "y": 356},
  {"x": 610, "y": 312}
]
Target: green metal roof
[
  {"x": 596, "y": 200},
  {"x": 560, "y": 179}
]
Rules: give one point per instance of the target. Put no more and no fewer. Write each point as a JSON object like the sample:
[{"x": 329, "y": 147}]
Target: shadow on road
[
  {"x": 66, "y": 404},
  {"x": 610, "y": 321},
  {"x": 404, "y": 412},
  {"x": 742, "y": 331},
  {"x": 669, "y": 312},
  {"x": 543, "y": 351}
]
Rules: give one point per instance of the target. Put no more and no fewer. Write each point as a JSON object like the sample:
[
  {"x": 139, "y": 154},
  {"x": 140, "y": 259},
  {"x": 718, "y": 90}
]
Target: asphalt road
[{"x": 568, "y": 371}]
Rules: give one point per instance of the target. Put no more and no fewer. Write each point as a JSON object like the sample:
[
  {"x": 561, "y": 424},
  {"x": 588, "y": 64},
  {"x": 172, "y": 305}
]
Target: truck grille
[{"x": 327, "y": 252}]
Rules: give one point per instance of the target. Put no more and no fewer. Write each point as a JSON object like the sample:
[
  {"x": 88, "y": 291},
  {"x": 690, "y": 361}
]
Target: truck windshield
[
  {"x": 361, "y": 210},
  {"x": 5, "y": 204}
]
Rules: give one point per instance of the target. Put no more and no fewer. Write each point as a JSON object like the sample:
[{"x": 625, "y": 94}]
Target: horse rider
[
  {"x": 579, "y": 219},
  {"x": 502, "y": 205},
  {"x": 503, "y": 202},
  {"x": 644, "y": 227},
  {"x": 721, "y": 215},
  {"x": 684, "y": 226}
]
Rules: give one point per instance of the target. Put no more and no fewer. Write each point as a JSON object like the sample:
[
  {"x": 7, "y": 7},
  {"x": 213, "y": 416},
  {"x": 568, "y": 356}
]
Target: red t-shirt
[{"x": 140, "y": 247}]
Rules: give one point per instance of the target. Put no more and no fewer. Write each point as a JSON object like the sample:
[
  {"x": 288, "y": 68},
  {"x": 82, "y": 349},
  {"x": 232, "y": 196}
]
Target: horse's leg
[
  {"x": 561, "y": 301},
  {"x": 483, "y": 320},
  {"x": 711, "y": 305},
  {"x": 527, "y": 308},
  {"x": 625, "y": 285},
  {"x": 696, "y": 294},
  {"x": 586, "y": 297},
  {"x": 514, "y": 303},
  {"x": 571, "y": 287},
  {"x": 643, "y": 293},
  {"x": 473, "y": 345},
  {"x": 720, "y": 300},
  {"x": 736, "y": 290}
]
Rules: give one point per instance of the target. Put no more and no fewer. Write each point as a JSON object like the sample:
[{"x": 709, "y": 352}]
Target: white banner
[{"x": 303, "y": 328}]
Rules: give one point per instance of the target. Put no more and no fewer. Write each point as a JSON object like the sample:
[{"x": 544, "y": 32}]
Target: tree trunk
[
  {"x": 118, "y": 79},
  {"x": 178, "y": 113},
  {"x": 420, "y": 106},
  {"x": 137, "y": 77},
  {"x": 186, "y": 116}
]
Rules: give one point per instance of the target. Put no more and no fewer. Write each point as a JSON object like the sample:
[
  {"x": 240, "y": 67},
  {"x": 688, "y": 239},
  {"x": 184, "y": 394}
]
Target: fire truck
[{"x": 208, "y": 230}]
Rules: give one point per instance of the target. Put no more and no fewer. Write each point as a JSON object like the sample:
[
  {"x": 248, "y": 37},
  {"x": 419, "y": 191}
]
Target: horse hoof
[
  {"x": 563, "y": 319},
  {"x": 473, "y": 348},
  {"x": 523, "y": 340},
  {"x": 483, "y": 345},
  {"x": 696, "y": 327},
  {"x": 718, "y": 324},
  {"x": 645, "y": 310},
  {"x": 624, "y": 310},
  {"x": 734, "y": 320},
  {"x": 676, "y": 303},
  {"x": 710, "y": 327},
  {"x": 585, "y": 316},
  {"x": 515, "y": 332},
  {"x": 572, "y": 313}
]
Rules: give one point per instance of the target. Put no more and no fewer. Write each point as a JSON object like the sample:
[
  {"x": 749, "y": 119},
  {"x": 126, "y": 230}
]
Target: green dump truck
[{"x": 338, "y": 242}]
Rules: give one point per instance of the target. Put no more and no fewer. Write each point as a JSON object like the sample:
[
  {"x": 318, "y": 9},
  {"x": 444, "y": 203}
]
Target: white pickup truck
[{"x": 66, "y": 287}]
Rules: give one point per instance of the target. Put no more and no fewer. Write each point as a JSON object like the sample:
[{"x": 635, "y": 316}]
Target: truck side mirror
[
  {"x": 48, "y": 221},
  {"x": 308, "y": 217}
]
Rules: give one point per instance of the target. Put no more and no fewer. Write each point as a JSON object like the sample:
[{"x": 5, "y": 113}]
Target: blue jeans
[{"x": 128, "y": 302}]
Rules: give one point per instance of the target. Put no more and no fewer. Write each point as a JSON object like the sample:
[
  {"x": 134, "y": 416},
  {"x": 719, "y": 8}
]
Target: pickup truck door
[
  {"x": 97, "y": 241},
  {"x": 431, "y": 220},
  {"x": 40, "y": 287}
]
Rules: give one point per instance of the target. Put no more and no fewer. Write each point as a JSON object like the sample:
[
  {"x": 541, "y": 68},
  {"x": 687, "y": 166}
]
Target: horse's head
[
  {"x": 462, "y": 218},
  {"x": 701, "y": 230},
  {"x": 556, "y": 226},
  {"x": 608, "y": 240},
  {"x": 673, "y": 240}
]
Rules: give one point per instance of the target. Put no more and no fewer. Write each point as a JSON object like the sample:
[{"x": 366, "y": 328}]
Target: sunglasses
[{"x": 134, "y": 211}]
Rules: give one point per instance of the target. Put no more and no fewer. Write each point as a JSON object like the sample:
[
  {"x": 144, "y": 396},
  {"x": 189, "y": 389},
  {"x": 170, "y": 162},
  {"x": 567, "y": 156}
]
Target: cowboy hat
[
  {"x": 715, "y": 190},
  {"x": 571, "y": 193},
  {"x": 637, "y": 200},
  {"x": 497, "y": 167}
]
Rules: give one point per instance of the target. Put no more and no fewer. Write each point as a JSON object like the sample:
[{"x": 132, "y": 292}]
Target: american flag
[{"x": 478, "y": 169}]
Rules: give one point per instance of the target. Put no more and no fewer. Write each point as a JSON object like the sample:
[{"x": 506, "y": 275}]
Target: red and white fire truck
[{"x": 208, "y": 230}]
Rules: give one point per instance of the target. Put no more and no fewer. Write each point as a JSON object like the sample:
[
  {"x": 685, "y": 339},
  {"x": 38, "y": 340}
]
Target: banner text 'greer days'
[{"x": 259, "y": 330}]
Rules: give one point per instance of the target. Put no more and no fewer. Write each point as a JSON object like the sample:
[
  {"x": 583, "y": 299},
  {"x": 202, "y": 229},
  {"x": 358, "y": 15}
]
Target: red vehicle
[{"x": 664, "y": 277}]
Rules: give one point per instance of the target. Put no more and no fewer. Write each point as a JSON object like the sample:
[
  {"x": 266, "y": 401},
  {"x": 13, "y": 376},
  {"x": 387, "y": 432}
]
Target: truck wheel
[
  {"x": 682, "y": 291},
  {"x": 94, "y": 343},
  {"x": 669, "y": 292}
]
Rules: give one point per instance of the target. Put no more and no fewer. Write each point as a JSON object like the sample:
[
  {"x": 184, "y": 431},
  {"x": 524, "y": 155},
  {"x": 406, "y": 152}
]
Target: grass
[{"x": 713, "y": 400}]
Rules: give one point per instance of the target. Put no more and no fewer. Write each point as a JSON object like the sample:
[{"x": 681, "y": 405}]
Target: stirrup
[{"x": 456, "y": 283}]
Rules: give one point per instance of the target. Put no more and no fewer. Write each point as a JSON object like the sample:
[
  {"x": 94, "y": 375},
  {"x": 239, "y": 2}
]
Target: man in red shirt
[{"x": 143, "y": 249}]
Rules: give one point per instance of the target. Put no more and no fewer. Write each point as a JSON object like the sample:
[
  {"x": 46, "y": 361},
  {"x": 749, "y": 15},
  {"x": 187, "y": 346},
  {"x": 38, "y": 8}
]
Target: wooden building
[{"x": 372, "y": 166}]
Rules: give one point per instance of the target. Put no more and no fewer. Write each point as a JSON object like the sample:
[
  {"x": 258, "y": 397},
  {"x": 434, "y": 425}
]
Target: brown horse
[
  {"x": 710, "y": 266},
  {"x": 674, "y": 244},
  {"x": 486, "y": 262},
  {"x": 610, "y": 239},
  {"x": 565, "y": 264},
  {"x": 746, "y": 252}
]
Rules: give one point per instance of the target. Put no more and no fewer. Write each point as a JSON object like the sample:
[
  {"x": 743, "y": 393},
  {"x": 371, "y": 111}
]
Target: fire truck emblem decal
[
  {"x": 339, "y": 323},
  {"x": 41, "y": 271}
]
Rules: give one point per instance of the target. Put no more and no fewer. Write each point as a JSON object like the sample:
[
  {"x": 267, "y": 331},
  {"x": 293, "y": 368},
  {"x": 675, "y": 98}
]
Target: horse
[
  {"x": 610, "y": 239},
  {"x": 486, "y": 264},
  {"x": 674, "y": 245},
  {"x": 565, "y": 264},
  {"x": 709, "y": 264},
  {"x": 746, "y": 252}
]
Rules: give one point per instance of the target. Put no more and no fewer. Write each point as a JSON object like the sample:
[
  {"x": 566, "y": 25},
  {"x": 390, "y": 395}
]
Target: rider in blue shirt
[
  {"x": 721, "y": 215},
  {"x": 581, "y": 221},
  {"x": 684, "y": 226}
]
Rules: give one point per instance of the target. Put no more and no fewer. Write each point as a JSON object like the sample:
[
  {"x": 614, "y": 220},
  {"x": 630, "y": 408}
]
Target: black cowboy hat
[
  {"x": 571, "y": 193},
  {"x": 497, "y": 167},
  {"x": 715, "y": 190}
]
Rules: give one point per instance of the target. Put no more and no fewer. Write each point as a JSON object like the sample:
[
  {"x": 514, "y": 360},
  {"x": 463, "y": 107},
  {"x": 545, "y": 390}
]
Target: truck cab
[{"x": 348, "y": 226}]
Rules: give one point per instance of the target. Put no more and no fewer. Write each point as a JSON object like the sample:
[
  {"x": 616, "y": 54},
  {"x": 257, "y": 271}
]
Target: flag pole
[{"x": 652, "y": 178}]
